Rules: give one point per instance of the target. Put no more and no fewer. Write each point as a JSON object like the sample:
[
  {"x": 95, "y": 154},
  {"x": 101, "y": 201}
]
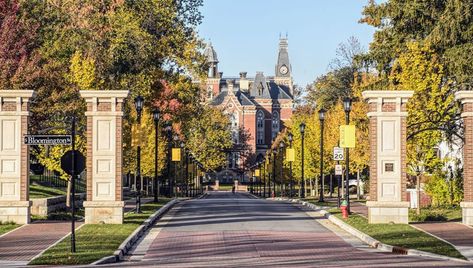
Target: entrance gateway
[{"x": 104, "y": 156}]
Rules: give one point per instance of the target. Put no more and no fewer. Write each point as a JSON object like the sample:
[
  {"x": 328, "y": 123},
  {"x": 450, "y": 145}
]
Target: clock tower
[{"x": 283, "y": 72}]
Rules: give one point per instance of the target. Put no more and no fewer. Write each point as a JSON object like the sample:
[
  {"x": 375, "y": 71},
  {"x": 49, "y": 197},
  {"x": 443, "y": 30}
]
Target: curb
[
  {"x": 368, "y": 239},
  {"x": 136, "y": 235},
  {"x": 202, "y": 195}
]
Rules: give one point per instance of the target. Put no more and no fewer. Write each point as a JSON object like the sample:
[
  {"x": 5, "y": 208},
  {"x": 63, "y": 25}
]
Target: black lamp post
[
  {"x": 291, "y": 188},
  {"x": 264, "y": 177},
  {"x": 322, "y": 186},
  {"x": 347, "y": 108},
  {"x": 274, "y": 172},
  {"x": 176, "y": 139},
  {"x": 186, "y": 151},
  {"x": 139, "y": 109},
  {"x": 156, "y": 114},
  {"x": 281, "y": 151},
  {"x": 168, "y": 166},
  {"x": 302, "y": 130}
]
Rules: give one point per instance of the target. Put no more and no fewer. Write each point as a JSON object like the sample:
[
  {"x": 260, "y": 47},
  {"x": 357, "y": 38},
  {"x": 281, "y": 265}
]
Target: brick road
[{"x": 226, "y": 230}]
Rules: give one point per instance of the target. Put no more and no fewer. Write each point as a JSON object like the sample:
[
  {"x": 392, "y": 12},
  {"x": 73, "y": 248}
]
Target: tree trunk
[
  {"x": 358, "y": 184},
  {"x": 418, "y": 194},
  {"x": 68, "y": 193}
]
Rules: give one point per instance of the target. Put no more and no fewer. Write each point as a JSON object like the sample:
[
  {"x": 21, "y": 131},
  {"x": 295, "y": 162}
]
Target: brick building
[{"x": 260, "y": 105}]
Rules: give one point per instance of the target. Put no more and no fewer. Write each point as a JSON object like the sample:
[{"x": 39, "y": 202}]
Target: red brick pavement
[
  {"x": 28, "y": 241},
  {"x": 454, "y": 232},
  {"x": 269, "y": 249}
]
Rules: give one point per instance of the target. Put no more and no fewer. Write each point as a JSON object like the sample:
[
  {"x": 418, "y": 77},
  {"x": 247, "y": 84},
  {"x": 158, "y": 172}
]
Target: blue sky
[{"x": 245, "y": 33}]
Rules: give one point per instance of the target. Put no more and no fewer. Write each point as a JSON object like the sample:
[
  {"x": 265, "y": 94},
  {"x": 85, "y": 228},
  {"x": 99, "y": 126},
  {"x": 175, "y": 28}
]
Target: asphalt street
[{"x": 237, "y": 230}]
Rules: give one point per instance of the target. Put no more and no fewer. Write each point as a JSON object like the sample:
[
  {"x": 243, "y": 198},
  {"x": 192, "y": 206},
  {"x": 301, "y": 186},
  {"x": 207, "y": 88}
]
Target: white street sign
[
  {"x": 337, "y": 153},
  {"x": 338, "y": 170}
]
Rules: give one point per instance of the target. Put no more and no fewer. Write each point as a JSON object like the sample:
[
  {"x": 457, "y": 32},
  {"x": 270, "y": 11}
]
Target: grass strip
[
  {"x": 436, "y": 214},
  {"x": 401, "y": 235},
  {"x": 95, "y": 241},
  {"x": 7, "y": 227},
  {"x": 39, "y": 191}
]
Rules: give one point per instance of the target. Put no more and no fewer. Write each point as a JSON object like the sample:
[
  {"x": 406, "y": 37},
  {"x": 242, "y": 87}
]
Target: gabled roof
[{"x": 241, "y": 97}]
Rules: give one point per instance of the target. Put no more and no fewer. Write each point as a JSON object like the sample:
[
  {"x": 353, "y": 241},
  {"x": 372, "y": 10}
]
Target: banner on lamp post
[
  {"x": 176, "y": 154},
  {"x": 347, "y": 136},
  {"x": 290, "y": 155}
]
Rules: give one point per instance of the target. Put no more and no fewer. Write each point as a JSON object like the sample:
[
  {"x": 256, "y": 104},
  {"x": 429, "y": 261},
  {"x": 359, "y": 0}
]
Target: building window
[
  {"x": 234, "y": 127},
  {"x": 275, "y": 124},
  {"x": 260, "y": 127}
]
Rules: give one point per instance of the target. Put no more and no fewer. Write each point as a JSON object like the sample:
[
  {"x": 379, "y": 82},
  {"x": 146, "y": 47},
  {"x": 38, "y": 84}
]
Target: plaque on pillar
[{"x": 387, "y": 136}]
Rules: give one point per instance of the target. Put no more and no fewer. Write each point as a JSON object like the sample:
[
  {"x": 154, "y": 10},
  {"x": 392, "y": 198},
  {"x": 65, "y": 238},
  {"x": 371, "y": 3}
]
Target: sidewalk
[
  {"x": 20, "y": 246},
  {"x": 455, "y": 233},
  {"x": 23, "y": 244}
]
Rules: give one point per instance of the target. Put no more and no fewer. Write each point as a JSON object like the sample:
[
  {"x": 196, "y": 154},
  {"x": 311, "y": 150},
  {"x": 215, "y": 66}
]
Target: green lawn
[
  {"x": 95, "y": 241},
  {"x": 436, "y": 214},
  {"x": 39, "y": 191},
  {"x": 401, "y": 235},
  {"x": 7, "y": 227}
]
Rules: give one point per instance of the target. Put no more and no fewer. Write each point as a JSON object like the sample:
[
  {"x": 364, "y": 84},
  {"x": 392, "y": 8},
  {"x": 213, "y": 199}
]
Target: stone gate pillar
[
  {"x": 104, "y": 156},
  {"x": 387, "y": 136},
  {"x": 14, "y": 156},
  {"x": 466, "y": 99}
]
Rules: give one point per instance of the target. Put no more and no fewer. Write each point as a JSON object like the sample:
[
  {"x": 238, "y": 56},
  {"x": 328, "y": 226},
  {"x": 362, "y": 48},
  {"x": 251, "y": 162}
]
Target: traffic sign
[
  {"x": 66, "y": 162},
  {"x": 48, "y": 139},
  {"x": 338, "y": 170},
  {"x": 338, "y": 154}
]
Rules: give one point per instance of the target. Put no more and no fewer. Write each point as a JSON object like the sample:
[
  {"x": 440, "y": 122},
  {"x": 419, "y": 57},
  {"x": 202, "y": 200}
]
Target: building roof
[{"x": 210, "y": 54}]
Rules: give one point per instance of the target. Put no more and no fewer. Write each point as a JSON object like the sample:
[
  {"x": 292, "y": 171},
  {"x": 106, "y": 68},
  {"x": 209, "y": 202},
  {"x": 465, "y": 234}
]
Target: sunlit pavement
[{"x": 235, "y": 230}]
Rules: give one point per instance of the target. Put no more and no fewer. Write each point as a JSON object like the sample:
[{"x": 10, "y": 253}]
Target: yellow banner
[
  {"x": 290, "y": 155},
  {"x": 176, "y": 154},
  {"x": 257, "y": 173},
  {"x": 347, "y": 136}
]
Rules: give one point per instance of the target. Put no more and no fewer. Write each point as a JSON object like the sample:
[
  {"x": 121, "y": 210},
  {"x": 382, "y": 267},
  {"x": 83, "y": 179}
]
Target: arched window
[
  {"x": 234, "y": 127},
  {"x": 275, "y": 124},
  {"x": 260, "y": 127}
]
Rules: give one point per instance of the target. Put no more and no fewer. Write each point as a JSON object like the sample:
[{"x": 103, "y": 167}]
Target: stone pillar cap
[
  {"x": 464, "y": 96},
  {"x": 17, "y": 93},
  {"x": 104, "y": 93},
  {"x": 389, "y": 94}
]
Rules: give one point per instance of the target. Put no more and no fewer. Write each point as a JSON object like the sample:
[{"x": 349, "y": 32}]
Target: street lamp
[
  {"x": 264, "y": 176},
  {"x": 322, "y": 188},
  {"x": 168, "y": 166},
  {"x": 281, "y": 150},
  {"x": 156, "y": 114},
  {"x": 347, "y": 108},
  {"x": 302, "y": 130},
  {"x": 139, "y": 109},
  {"x": 291, "y": 188},
  {"x": 274, "y": 172}
]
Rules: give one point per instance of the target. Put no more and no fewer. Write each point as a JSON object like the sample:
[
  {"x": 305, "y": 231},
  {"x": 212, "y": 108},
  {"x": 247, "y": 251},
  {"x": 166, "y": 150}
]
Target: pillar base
[
  {"x": 15, "y": 211},
  {"x": 388, "y": 212},
  {"x": 467, "y": 212},
  {"x": 109, "y": 212}
]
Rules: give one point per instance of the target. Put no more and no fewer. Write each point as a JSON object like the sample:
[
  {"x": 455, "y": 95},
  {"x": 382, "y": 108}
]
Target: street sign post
[
  {"x": 48, "y": 139},
  {"x": 337, "y": 153},
  {"x": 338, "y": 170}
]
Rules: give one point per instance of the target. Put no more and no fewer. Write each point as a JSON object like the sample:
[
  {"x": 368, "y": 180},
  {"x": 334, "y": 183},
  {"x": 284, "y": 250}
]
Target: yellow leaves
[{"x": 82, "y": 72}]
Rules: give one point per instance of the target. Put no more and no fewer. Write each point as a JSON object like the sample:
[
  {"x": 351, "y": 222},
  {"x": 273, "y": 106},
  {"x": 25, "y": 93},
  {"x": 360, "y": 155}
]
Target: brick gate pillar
[
  {"x": 466, "y": 99},
  {"x": 14, "y": 156},
  {"x": 387, "y": 134},
  {"x": 104, "y": 156}
]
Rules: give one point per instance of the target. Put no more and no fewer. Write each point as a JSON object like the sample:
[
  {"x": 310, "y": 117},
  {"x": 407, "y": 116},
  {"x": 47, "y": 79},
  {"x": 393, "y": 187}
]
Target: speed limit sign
[{"x": 337, "y": 153}]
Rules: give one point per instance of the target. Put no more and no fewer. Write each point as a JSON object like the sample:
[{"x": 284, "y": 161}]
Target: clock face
[{"x": 283, "y": 69}]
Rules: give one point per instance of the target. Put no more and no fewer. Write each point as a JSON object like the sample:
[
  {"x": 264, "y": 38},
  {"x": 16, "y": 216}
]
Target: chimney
[
  {"x": 244, "y": 83},
  {"x": 220, "y": 74},
  {"x": 230, "y": 83}
]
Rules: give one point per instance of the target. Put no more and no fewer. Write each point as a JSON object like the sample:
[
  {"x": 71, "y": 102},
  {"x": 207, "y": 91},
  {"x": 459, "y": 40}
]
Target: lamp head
[
  {"x": 322, "y": 114},
  {"x": 302, "y": 127},
  {"x": 347, "y": 104},
  {"x": 289, "y": 137},
  {"x": 156, "y": 114},
  {"x": 139, "y": 104}
]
